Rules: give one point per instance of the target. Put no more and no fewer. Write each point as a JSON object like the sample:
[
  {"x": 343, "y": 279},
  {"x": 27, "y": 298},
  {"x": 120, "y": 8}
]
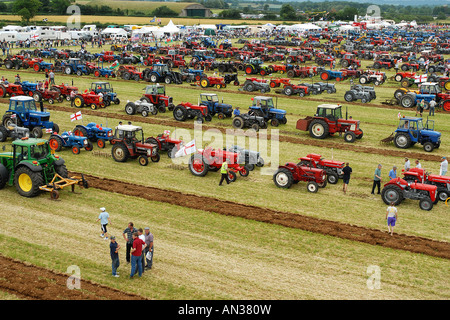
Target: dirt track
[
  {"x": 331, "y": 228},
  {"x": 34, "y": 283}
]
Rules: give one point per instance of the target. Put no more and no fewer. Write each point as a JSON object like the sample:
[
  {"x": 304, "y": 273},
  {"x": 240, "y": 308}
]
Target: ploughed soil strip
[
  {"x": 31, "y": 282},
  {"x": 354, "y": 147},
  {"x": 330, "y": 228}
]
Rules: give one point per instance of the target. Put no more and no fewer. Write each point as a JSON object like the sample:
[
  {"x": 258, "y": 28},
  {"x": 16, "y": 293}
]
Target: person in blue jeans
[
  {"x": 136, "y": 252},
  {"x": 114, "y": 252}
]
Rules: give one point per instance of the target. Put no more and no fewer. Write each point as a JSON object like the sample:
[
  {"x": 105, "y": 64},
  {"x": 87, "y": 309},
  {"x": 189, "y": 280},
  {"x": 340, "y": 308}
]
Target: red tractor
[
  {"x": 210, "y": 159},
  {"x": 384, "y": 61},
  {"x": 398, "y": 189},
  {"x": 90, "y": 99},
  {"x": 400, "y": 75},
  {"x": 292, "y": 173},
  {"x": 290, "y": 89},
  {"x": 166, "y": 143},
  {"x": 187, "y": 110},
  {"x": 327, "y": 121},
  {"x": 12, "y": 90},
  {"x": 48, "y": 95},
  {"x": 420, "y": 175},
  {"x": 276, "y": 82},
  {"x": 64, "y": 90},
  {"x": 173, "y": 60},
  {"x": 348, "y": 60},
  {"x": 218, "y": 82},
  {"x": 128, "y": 72},
  {"x": 151, "y": 59},
  {"x": 333, "y": 168},
  {"x": 295, "y": 56},
  {"x": 156, "y": 94},
  {"x": 129, "y": 142}
]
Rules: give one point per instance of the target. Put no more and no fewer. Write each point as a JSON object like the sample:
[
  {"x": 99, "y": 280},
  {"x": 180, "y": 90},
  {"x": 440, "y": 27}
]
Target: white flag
[
  {"x": 76, "y": 116},
  {"x": 399, "y": 115},
  {"x": 186, "y": 149}
]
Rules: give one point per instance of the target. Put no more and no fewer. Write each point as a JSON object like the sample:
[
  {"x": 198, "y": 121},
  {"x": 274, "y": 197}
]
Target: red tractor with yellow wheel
[
  {"x": 217, "y": 82},
  {"x": 90, "y": 99}
]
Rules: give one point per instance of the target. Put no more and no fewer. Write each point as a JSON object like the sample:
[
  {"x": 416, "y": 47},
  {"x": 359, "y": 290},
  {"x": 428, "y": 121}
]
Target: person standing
[
  {"x": 420, "y": 107},
  {"x": 432, "y": 107},
  {"x": 136, "y": 252},
  {"x": 128, "y": 237},
  {"x": 393, "y": 173},
  {"x": 114, "y": 252},
  {"x": 443, "y": 167},
  {"x": 224, "y": 171},
  {"x": 418, "y": 165},
  {"x": 346, "y": 178},
  {"x": 236, "y": 112},
  {"x": 407, "y": 164},
  {"x": 377, "y": 179},
  {"x": 51, "y": 76},
  {"x": 391, "y": 217},
  {"x": 104, "y": 219},
  {"x": 149, "y": 249},
  {"x": 142, "y": 237}
]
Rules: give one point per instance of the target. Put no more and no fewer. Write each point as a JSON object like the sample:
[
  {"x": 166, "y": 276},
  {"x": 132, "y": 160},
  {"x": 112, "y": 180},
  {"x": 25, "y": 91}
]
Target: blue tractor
[
  {"x": 29, "y": 87},
  {"x": 211, "y": 100},
  {"x": 264, "y": 107},
  {"x": 75, "y": 66},
  {"x": 22, "y": 112},
  {"x": 427, "y": 91},
  {"x": 94, "y": 132},
  {"x": 69, "y": 140},
  {"x": 411, "y": 131},
  {"x": 109, "y": 96}
]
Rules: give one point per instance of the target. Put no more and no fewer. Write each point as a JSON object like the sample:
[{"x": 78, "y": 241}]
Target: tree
[
  {"x": 60, "y": 6},
  {"x": 230, "y": 14},
  {"x": 287, "y": 12},
  {"x": 27, "y": 9},
  {"x": 164, "y": 11}
]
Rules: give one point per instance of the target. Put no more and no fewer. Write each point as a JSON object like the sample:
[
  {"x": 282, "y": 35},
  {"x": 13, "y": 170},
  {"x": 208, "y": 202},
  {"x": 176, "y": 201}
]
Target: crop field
[{"x": 246, "y": 240}]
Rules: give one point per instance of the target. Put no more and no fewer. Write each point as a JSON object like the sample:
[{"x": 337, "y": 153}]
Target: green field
[
  {"x": 204, "y": 255},
  {"x": 142, "y": 6}
]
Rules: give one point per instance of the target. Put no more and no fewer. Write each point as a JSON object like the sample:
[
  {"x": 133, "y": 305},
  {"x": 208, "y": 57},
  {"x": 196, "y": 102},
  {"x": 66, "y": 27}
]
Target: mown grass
[{"x": 201, "y": 255}]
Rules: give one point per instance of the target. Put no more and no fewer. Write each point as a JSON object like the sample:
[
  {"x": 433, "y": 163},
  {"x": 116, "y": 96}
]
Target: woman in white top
[{"x": 391, "y": 217}]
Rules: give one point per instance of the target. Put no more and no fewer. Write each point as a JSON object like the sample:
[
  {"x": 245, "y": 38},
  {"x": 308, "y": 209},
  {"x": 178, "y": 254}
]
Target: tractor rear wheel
[
  {"x": 36, "y": 132},
  {"x": 180, "y": 113},
  {"x": 348, "y": 97},
  {"x": 28, "y": 182},
  {"x": 283, "y": 178},
  {"x": 62, "y": 171},
  {"x": 55, "y": 143},
  {"x": 407, "y": 101},
  {"x": 402, "y": 140},
  {"x": 232, "y": 176},
  {"x": 318, "y": 129},
  {"x": 446, "y": 105},
  {"x": 78, "y": 101},
  {"x": 238, "y": 122},
  {"x": 130, "y": 108},
  {"x": 332, "y": 178},
  {"x": 198, "y": 166},
  {"x": 120, "y": 152},
  {"x": 4, "y": 176},
  {"x": 392, "y": 193}
]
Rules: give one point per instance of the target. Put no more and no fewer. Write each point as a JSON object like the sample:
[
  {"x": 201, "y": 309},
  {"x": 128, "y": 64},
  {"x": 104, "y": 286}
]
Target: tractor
[
  {"x": 291, "y": 89},
  {"x": 64, "y": 90},
  {"x": 88, "y": 98},
  {"x": 47, "y": 95},
  {"x": 75, "y": 66},
  {"x": 129, "y": 142},
  {"x": 217, "y": 82},
  {"x": 109, "y": 96},
  {"x": 398, "y": 189},
  {"x": 95, "y": 133},
  {"x": 295, "y": 56},
  {"x": 166, "y": 143},
  {"x": 156, "y": 95},
  {"x": 141, "y": 106},
  {"x": 254, "y": 66},
  {"x": 254, "y": 84},
  {"x": 22, "y": 112},
  {"x": 214, "y": 106},
  {"x": 209, "y": 159},
  {"x": 245, "y": 120},
  {"x": 427, "y": 92},
  {"x": 411, "y": 131},
  {"x": 69, "y": 140},
  {"x": 14, "y": 132},
  {"x": 357, "y": 91},
  {"x": 264, "y": 107},
  {"x": 32, "y": 168},
  {"x": 162, "y": 73},
  {"x": 292, "y": 173},
  {"x": 420, "y": 175},
  {"x": 249, "y": 157},
  {"x": 327, "y": 121},
  {"x": 332, "y": 167},
  {"x": 187, "y": 110},
  {"x": 348, "y": 60},
  {"x": 12, "y": 90}
]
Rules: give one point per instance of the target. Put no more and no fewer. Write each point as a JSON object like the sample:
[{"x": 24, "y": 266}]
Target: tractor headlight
[
  {"x": 149, "y": 152},
  {"x": 353, "y": 127},
  {"x": 85, "y": 142},
  {"x": 100, "y": 99}
]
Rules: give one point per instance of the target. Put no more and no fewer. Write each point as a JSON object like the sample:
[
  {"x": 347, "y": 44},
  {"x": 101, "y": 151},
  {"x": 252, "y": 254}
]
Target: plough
[
  {"x": 59, "y": 183},
  {"x": 391, "y": 102}
]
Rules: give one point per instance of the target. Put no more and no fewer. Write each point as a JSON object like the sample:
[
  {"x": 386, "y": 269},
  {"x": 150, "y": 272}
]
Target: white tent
[
  {"x": 170, "y": 28},
  {"x": 109, "y": 31},
  {"x": 303, "y": 27}
]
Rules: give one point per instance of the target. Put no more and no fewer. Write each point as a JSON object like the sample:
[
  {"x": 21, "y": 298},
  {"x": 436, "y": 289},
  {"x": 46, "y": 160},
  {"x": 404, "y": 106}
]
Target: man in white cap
[
  {"x": 104, "y": 220},
  {"x": 443, "y": 167}
]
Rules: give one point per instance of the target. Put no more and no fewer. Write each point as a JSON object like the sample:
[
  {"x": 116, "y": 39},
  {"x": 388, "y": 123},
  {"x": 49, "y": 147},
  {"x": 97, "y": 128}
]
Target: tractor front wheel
[
  {"x": 28, "y": 182},
  {"x": 312, "y": 186}
]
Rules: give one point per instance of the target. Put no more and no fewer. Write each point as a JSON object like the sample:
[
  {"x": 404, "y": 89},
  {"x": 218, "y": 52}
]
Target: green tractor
[{"x": 32, "y": 168}]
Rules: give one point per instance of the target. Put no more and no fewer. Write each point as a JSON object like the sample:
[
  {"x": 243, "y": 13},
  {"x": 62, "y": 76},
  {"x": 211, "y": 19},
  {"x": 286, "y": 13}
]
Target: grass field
[{"x": 203, "y": 255}]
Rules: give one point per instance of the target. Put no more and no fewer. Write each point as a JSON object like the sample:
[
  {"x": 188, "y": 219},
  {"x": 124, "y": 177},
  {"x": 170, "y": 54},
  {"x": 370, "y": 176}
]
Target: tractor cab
[
  {"x": 160, "y": 68},
  {"x": 155, "y": 90},
  {"x": 429, "y": 88},
  {"x": 209, "y": 97},
  {"x": 101, "y": 87},
  {"x": 129, "y": 133},
  {"x": 411, "y": 130},
  {"x": 331, "y": 112}
]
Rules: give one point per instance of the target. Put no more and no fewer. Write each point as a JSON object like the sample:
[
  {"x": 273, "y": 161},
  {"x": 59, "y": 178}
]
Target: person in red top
[{"x": 136, "y": 252}]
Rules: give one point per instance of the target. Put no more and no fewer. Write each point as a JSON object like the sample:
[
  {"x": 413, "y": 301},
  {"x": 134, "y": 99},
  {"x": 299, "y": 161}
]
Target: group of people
[
  {"x": 139, "y": 246},
  {"x": 421, "y": 106}
]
